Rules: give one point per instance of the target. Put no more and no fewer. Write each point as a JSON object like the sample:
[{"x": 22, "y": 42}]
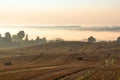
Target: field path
[{"x": 32, "y": 69}]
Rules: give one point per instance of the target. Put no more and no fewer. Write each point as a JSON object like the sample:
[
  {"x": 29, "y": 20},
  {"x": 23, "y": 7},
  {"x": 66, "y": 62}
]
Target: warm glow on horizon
[
  {"x": 59, "y": 12},
  {"x": 51, "y": 34}
]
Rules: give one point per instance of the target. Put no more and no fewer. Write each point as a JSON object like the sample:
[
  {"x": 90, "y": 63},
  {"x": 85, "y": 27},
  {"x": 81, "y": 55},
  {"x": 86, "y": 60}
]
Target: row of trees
[{"x": 19, "y": 40}]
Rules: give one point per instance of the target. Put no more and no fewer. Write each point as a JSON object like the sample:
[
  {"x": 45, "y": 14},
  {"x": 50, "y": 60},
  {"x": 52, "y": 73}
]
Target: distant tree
[
  {"x": 7, "y": 37},
  {"x": 44, "y": 40},
  {"x": 26, "y": 38},
  {"x": 37, "y": 39},
  {"x": 14, "y": 38},
  {"x": 21, "y": 35},
  {"x": 59, "y": 39},
  {"x": 40, "y": 41},
  {"x": 118, "y": 39},
  {"x": 26, "y": 41},
  {"x": 91, "y": 39},
  {"x": 6, "y": 41}
]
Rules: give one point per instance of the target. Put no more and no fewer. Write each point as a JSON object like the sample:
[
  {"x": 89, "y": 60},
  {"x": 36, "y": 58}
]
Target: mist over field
[
  {"x": 66, "y": 32},
  {"x": 81, "y": 28}
]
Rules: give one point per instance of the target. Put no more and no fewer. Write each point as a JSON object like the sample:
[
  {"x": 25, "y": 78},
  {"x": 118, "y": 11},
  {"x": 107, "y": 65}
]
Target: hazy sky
[{"x": 60, "y": 12}]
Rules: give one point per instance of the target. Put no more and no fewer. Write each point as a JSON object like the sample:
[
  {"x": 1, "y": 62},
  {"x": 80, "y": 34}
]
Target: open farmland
[{"x": 69, "y": 60}]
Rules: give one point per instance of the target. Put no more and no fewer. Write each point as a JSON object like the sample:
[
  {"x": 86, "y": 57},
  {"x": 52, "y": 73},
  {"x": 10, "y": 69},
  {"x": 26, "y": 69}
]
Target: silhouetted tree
[
  {"x": 37, "y": 39},
  {"x": 118, "y": 39},
  {"x": 6, "y": 41},
  {"x": 91, "y": 39},
  {"x": 7, "y": 37},
  {"x": 40, "y": 41},
  {"x": 26, "y": 42},
  {"x": 26, "y": 38},
  {"x": 20, "y": 35},
  {"x": 44, "y": 40}
]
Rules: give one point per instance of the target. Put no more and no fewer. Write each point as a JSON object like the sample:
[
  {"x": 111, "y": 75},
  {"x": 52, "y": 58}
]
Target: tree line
[{"x": 19, "y": 40}]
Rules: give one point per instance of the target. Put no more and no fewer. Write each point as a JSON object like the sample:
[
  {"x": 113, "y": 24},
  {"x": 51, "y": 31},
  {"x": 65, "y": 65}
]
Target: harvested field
[{"x": 62, "y": 61}]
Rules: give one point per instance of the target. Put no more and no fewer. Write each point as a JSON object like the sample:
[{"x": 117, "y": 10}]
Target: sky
[{"x": 59, "y": 12}]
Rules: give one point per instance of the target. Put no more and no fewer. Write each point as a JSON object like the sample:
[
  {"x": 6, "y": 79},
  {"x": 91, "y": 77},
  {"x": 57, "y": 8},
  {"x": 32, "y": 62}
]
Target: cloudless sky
[{"x": 60, "y": 12}]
